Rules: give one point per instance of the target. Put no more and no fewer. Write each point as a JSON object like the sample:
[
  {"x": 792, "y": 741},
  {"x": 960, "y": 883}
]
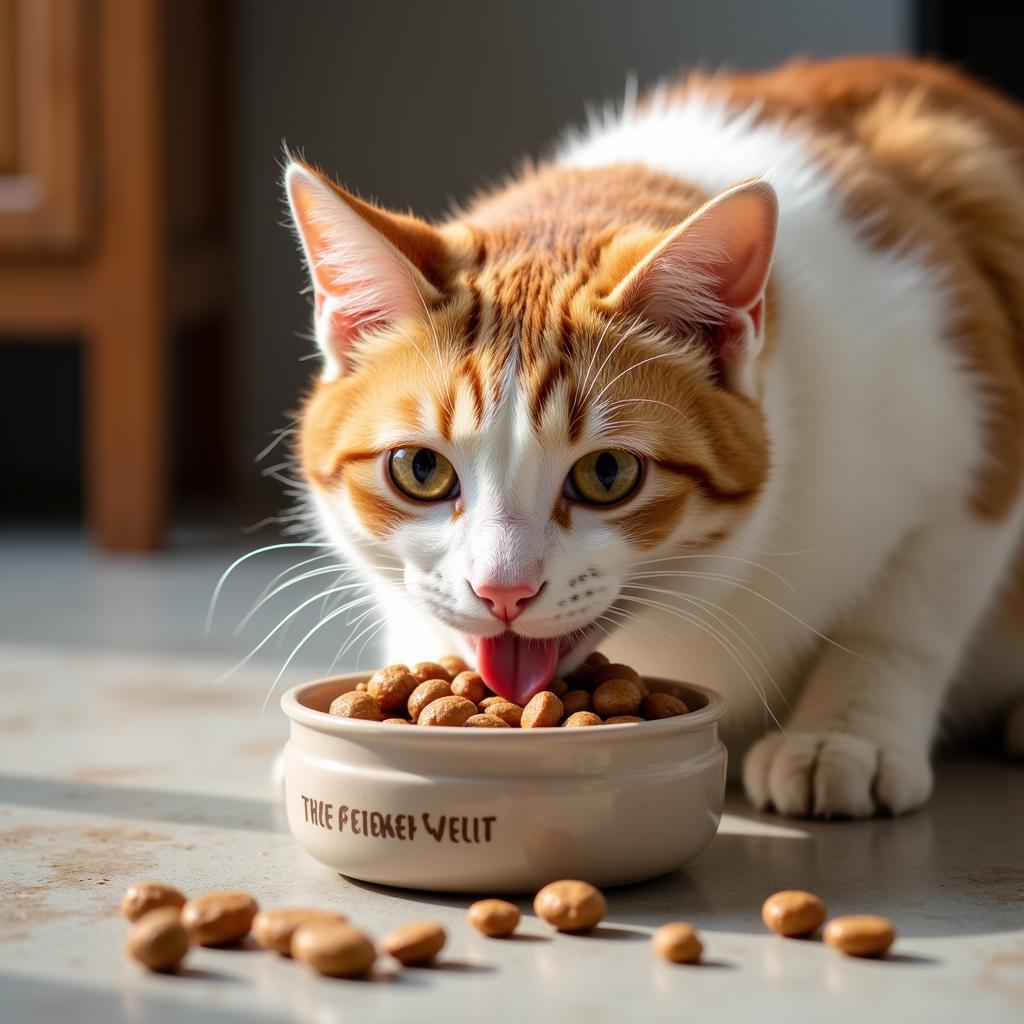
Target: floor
[{"x": 123, "y": 758}]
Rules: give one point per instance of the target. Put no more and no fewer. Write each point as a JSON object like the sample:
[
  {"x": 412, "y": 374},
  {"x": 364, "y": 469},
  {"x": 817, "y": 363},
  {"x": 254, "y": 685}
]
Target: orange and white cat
[{"x": 733, "y": 386}]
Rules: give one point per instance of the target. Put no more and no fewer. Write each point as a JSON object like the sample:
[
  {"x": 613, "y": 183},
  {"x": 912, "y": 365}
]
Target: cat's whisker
[
  {"x": 349, "y": 622},
  {"x": 630, "y": 369},
  {"x": 298, "y": 565},
  {"x": 593, "y": 357},
  {"x": 238, "y": 561},
  {"x": 271, "y": 594},
  {"x": 626, "y": 335},
  {"x": 657, "y": 630},
  {"x": 732, "y": 558},
  {"x": 279, "y": 435}
]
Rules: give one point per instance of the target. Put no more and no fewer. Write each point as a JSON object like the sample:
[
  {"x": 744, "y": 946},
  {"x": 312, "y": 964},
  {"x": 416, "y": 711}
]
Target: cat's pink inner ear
[
  {"x": 713, "y": 266},
  {"x": 361, "y": 280}
]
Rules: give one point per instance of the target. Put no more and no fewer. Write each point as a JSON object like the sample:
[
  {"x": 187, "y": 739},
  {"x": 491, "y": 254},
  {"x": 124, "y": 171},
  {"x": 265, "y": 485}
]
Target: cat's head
[{"x": 521, "y": 407}]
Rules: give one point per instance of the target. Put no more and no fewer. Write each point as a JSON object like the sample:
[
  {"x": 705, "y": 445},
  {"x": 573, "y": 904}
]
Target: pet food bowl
[{"x": 501, "y": 810}]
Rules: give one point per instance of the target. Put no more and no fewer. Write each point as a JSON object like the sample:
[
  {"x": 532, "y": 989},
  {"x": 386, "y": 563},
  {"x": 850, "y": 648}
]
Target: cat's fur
[{"x": 832, "y": 501}]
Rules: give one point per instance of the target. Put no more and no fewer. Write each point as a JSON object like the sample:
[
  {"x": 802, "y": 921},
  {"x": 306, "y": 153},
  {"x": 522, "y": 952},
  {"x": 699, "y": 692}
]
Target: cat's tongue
[{"x": 515, "y": 667}]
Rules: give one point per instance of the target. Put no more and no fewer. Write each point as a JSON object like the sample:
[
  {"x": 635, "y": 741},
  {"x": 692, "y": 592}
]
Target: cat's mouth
[{"x": 516, "y": 667}]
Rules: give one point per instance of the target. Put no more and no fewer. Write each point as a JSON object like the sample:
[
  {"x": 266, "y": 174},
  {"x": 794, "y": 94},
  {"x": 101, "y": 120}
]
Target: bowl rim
[{"x": 353, "y": 728}]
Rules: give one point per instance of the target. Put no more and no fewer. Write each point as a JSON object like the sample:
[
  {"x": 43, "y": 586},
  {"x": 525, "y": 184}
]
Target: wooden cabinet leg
[{"x": 126, "y": 374}]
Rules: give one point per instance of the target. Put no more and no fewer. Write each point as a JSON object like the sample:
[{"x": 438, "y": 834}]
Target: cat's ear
[
  {"x": 368, "y": 267},
  {"x": 708, "y": 276}
]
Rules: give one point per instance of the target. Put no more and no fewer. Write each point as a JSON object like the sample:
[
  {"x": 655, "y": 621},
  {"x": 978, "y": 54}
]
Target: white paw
[
  {"x": 833, "y": 774},
  {"x": 1015, "y": 730}
]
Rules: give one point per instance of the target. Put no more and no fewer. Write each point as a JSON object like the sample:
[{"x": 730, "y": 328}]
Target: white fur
[{"x": 864, "y": 532}]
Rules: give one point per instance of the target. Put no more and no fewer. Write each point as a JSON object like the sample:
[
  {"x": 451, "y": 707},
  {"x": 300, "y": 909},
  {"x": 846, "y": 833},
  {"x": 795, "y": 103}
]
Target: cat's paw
[
  {"x": 833, "y": 774},
  {"x": 1015, "y": 730}
]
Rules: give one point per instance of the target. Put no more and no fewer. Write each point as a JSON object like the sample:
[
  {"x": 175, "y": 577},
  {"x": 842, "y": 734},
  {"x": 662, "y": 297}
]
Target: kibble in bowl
[{"x": 461, "y": 803}]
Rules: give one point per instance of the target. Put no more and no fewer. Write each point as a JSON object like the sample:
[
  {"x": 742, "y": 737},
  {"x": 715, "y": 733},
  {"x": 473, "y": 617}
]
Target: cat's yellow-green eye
[
  {"x": 604, "y": 478},
  {"x": 423, "y": 474}
]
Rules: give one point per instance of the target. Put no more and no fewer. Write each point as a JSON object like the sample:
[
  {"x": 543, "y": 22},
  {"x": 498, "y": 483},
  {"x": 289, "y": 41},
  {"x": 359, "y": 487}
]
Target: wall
[{"x": 415, "y": 104}]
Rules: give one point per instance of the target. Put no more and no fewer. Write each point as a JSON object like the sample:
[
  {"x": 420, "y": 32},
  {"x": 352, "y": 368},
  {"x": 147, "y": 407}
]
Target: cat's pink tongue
[{"x": 515, "y": 667}]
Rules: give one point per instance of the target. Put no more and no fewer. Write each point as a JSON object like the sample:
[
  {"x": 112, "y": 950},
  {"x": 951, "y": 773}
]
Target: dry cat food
[
  {"x": 570, "y": 905},
  {"x": 274, "y": 929},
  {"x": 158, "y": 939},
  {"x": 448, "y": 693},
  {"x": 678, "y": 943},
  {"x": 219, "y": 918},
  {"x": 495, "y": 918},
  {"x": 860, "y": 934},
  {"x": 416, "y": 944},
  {"x": 793, "y": 913},
  {"x": 142, "y": 897},
  {"x": 333, "y": 948}
]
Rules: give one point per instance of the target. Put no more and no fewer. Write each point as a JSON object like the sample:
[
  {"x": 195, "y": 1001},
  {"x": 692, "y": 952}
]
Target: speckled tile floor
[{"x": 122, "y": 758}]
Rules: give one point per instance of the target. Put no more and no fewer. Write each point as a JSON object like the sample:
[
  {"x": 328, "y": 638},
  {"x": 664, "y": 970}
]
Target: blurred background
[{"x": 152, "y": 326}]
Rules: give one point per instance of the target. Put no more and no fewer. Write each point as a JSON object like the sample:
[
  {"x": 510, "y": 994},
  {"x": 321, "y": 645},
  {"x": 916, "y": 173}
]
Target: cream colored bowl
[{"x": 488, "y": 810}]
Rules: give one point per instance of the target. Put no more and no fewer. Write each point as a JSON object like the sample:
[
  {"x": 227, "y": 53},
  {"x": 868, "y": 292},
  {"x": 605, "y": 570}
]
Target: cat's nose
[{"x": 506, "y": 603}]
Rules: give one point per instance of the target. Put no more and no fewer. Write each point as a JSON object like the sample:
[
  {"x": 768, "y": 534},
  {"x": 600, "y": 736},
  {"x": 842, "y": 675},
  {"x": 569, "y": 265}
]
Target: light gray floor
[{"x": 121, "y": 758}]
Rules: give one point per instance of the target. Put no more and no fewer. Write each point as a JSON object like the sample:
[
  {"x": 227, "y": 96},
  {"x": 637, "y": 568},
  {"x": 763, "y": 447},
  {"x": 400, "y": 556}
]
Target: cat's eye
[
  {"x": 423, "y": 474},
  {"x": 603, "y": 478}
]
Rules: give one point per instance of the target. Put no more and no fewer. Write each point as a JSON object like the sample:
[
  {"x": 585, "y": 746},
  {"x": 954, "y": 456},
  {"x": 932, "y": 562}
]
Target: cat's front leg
[{"x": 859, "y": 740}]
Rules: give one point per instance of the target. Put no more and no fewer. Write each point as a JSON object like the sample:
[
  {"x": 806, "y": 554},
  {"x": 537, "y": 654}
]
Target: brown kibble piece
[
  {"x": 576, "y": 700},
  {"x": 623, "y": 720},
  {"x": 424, "y": 670},
  {"x": 273, "y": 929},
  {"x": 509, "y": 713},
  {"x": 495, "y": 918},
  {"x": 219, "y": 918},
  {"x": 415, "y": 944},
  {"x": 356, "y": 704},
  {"x": 860, "y": 934},
  {"x": 543, "y": 711},
  {"x": 486, "y": 721},
  {"x": 361, "y": 687},
  {"x": 558, "y": 687},
  {"x": 678, "y": 943},
  {"x": 142, "y": 897},
  {"x": 335, "y": 949},
  {"x": 454, "y": 664},
  {"x": 570, "y": 905},
  {"x": 615, "y": 671},
  {"x": 469, "y": 685},
  {"x": 617, "y": 697},
  {"x": 662, "y": 705},
  {"x": 490, "y": 701},
  {"x": 793, "y": 913},
  {"x": 447, "y": 711},
  {"x": 426, "y": 693},
  {"x": 396, "y": 721},
  {"x": 158, "y": 939},
  {"x": 391, "y": 686},
  {"x": 581, "y": 719}
]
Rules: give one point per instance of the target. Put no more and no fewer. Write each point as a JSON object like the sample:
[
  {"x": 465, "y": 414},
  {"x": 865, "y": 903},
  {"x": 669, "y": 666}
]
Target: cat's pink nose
[{"x": 506, "y": 603}]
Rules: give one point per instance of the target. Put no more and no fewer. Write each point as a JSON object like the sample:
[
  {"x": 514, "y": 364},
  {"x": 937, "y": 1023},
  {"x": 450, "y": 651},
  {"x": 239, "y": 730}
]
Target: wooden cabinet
[{"x": 113, "y": 217}]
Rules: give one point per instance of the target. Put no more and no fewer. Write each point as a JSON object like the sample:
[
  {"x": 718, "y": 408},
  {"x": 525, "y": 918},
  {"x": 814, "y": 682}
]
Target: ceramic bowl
[{"x": 501, "y": 811}]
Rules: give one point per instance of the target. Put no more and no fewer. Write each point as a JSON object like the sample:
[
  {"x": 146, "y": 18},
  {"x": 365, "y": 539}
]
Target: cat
[{"x": 733, "y": 387}]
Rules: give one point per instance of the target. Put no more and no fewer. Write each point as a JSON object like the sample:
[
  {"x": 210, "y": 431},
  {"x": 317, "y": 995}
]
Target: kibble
[
  {"x": 543, "y": 711},
  {"x": 219, "y": 918},
  {"x": 391, "y": 686},
  {"x": 623, "y": 720},
  {"x": 576, "y": 700},
  {"x": 617, "y": 697},
  {"x": 335, "y": 949},
  {"x": 142, "y": 897},
  {"x": 793, "y": 913},
  {"x": 416, "y": 944},
  {"x": 581, "y": 720},
  {"x": 158, "y": 939},
  {"x": 273, "y": 929},
  {"x": 860, "y": 934},
  {"x": 570, "y": 905},
  {"x": 424, "y": 670},
  {"x": 558, "y": 687},
  {"x": 447, "y": 711},
  {"x": 662, "y": 705},
  {"x": 509, "y": 713},
  {"x": 426, "y": 693},
  {"x": 614, "y": 670},
  {"x": 396, "y": 721},
  {"x": 495, "y": 918},
  {"x": 470, "y": 685},
  {"x": 453, "y": 663},
  {"x": 356, "y": 704},
  {"x": 486, "y": 721},
  {"x": 678, "y": 943}
]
